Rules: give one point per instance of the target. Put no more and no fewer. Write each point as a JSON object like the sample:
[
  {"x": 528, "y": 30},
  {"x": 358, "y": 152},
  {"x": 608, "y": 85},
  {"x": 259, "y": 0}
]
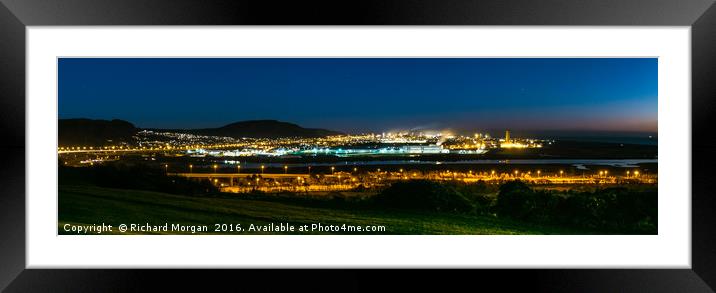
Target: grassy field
[{"x": 88, "y": 205}]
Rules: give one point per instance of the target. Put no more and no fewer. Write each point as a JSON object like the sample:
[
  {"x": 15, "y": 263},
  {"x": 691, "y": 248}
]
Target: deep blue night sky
[{"x": 359, "y": 94}]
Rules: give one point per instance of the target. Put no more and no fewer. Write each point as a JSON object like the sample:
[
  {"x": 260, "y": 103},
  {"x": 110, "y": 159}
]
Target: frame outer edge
[
  {"x": 12, "y": 142},
  {"x": 12, "y": 102},
  {"x": 359, "y": 12},
  {"x": 703, "y": 80}
]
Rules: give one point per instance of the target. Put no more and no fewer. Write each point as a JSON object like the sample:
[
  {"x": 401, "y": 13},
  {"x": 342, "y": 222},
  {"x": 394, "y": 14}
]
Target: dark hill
[
  {"x": 263, "y": 129},
  {"x": 89, "y": 132}
]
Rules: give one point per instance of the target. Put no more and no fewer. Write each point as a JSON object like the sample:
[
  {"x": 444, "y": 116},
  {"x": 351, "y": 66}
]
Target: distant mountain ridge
[
  {"x": 262, "y": 129},
  {"x": 81, "y": 131},
  {"x": 89, "y": 132}
]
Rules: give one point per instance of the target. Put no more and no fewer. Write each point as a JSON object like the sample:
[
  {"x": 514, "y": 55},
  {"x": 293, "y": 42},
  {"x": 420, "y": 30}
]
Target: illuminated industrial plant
[{"x": 508, "y": 143}]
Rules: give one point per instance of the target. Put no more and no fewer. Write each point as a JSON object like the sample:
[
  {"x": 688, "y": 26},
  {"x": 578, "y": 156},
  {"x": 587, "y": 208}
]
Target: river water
[{"x": 580, "y": 164}]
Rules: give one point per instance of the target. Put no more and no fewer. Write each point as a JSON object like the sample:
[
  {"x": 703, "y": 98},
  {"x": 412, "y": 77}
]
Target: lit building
[
  {"x": 507, "y": 144},
  {"x": 518, "y": 143}
]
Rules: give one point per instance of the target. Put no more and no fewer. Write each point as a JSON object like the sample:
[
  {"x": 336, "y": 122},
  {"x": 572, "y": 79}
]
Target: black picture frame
[{"x": 16, "y": 15}]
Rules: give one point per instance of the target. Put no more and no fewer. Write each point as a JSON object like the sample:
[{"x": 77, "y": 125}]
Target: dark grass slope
[{"x": 95, "y": 205}]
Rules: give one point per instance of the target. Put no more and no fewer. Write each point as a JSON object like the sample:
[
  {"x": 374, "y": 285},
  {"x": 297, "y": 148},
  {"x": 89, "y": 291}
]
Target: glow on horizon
[{"x": 366, "y": 94}]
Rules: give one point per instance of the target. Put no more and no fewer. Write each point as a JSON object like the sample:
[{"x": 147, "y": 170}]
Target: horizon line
[{"x": 491, "y": 129}]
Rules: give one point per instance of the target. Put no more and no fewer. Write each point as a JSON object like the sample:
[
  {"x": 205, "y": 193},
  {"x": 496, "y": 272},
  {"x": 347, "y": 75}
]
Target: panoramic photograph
[{"x": 357, "y": 146}]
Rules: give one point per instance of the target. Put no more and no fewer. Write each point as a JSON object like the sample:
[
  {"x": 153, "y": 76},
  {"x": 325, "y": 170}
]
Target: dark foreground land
[
  {"x": 84, "y": 205},
  {"x": 144, "y": 197}
]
